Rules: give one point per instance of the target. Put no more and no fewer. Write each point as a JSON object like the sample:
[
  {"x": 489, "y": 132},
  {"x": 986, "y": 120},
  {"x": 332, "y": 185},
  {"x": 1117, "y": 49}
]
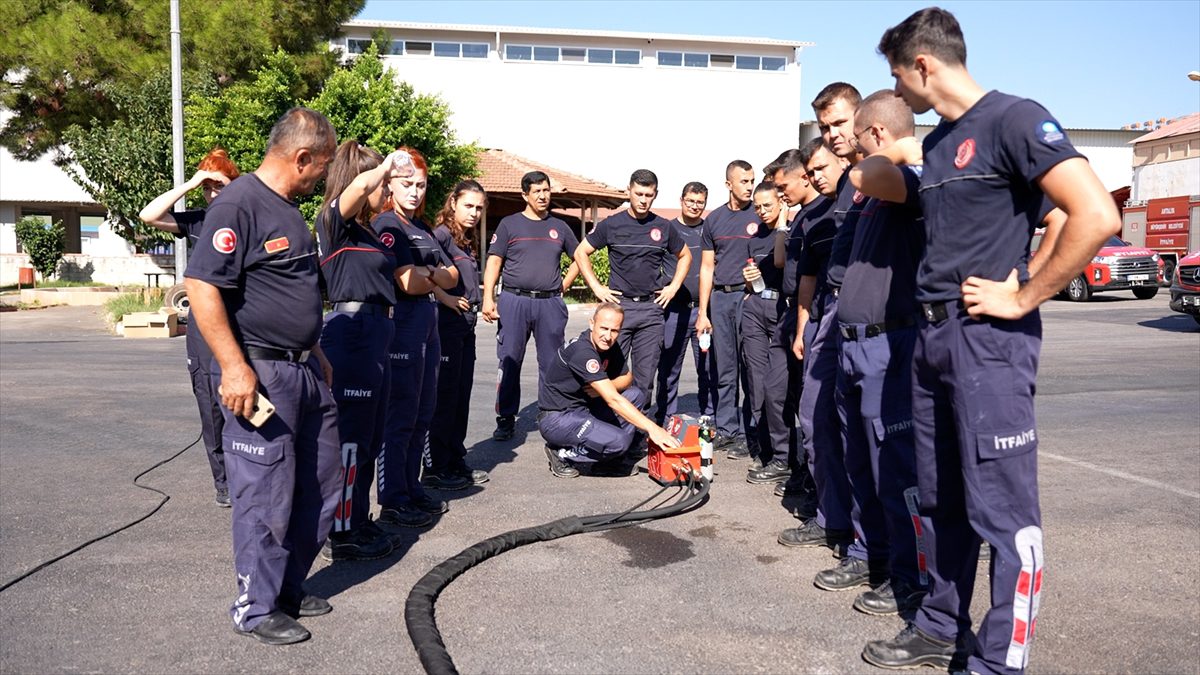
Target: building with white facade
[
  {"x": 604, "y": 103},
  {"x": 1163, "y": 211}
]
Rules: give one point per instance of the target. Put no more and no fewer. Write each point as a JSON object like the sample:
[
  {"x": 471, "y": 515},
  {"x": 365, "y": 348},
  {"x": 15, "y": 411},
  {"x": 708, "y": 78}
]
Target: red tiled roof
[
  {"x": 1188, "y": 124},
  {"x": 501, "y": 172}
]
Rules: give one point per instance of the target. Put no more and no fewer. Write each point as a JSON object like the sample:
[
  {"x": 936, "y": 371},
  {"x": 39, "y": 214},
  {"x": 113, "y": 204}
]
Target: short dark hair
[
  {"x": 806, "y": 152},
  {"x": 888, "y": 110},
  {"x": 608, "y": 307},
  {"x": 694, "y": 188},
  {"x": 932, "y": 31},
  {"x": 644, "y": 177},
  {"x": 836, "y": 91},
  {"x": 301, "y": 129},
  {"x": 533, "y": 178},
  {"x": 787, "y": 161},
  {"x": 737, "y": 164},
  {"x": 765, "y": 186}
]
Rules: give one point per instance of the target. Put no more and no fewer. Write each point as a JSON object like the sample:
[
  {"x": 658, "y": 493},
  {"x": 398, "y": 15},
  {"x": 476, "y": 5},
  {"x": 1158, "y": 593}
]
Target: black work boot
[
  {"x": 811, "y": 534},
  {"x": 506, "y": 426},
  {"x": 776, "y": 471},
  {"x": 889, "y": 598},
  {"x": 849, "y": 573},
  {"x": 559, "y": 466},
  {"x": 910, "y": 649},
  {"x": 357, "y": 544},
  {"x": 277, "y": 628}
]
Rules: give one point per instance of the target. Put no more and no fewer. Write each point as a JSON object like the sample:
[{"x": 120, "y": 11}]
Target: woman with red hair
[
  {"x": 421, "y": 266},
  {"x": 214, "y": 172}
]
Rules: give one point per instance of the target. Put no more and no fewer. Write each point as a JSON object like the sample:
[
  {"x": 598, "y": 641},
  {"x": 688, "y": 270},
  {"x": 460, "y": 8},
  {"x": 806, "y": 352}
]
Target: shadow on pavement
[{"x": 1178, "y": 323}]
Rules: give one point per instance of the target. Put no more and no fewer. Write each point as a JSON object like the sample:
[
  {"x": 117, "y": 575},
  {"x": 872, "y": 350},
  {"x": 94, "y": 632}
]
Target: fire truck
[{"x": 1169, "y": 227}]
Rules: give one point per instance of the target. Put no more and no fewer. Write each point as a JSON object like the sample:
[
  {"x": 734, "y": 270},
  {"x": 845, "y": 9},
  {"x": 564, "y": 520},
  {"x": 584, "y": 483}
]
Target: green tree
[
  {"x": 126, "y": 163},
  {"x": 45, "y": 244},
  {"x": 365, "y": 102},
  {"x": 62, "y": 60}
]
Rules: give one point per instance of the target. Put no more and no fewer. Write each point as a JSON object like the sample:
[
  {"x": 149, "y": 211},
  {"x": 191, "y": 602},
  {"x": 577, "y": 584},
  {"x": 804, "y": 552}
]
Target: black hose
[{"x": 419, "y": 613}]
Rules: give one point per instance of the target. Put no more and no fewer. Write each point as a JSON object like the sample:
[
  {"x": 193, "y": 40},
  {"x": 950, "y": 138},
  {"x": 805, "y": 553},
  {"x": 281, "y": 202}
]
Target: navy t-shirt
[
  {"x": 691, "y": 236},
  {"x": 468, "y": 275},
  {"x": 576, "y": 364},
  {"x": 636, "y": 250},
  {"x": 846, "y": 209},
  {"x": 725, "y": 234},
  {"x": 532, "y": 250},
  {"x": 356, "y": 265},
  {"x": 881, "y": 279},
  {"x": 761, "y": 249},
  {"x": 819, "y": 230},
  {"x": 412, "y": 243},
  {"x": 190, "y": 223},
  {"x": 793, "y": 249},
  {"x": 980, "y": 194},
  {"x": 257, "y": 249}
]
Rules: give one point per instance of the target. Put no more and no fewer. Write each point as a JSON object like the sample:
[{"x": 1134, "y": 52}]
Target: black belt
[
  {"x": 851, "y": 333},
  {"x": 363, "y": 308},
  {"x": 939, "y": 311},
  {"x": 726, "y": 288},
  {"x": 767, "y": 294},
  {"x": 270, "y": 354},
  {"x": 674, "y": 304},
  {"x": 533, "y": 294},
  {"x": 637, "y": 298},
  {"x": 474, "y": 308}
]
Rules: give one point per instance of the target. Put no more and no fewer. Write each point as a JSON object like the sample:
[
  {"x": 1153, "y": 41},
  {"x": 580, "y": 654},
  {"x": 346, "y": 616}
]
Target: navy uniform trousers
[
  {"x": 765, "y": 361},
  {"x": 973, "y": 416},
  {"x": 593, "y": 435},
  {"x": 679, "y": 328},
  {"x": 725, "y": 310},
  {"x": 785, "y": 335},
  {"x": 520, "y": 316},
  {"x": 414, "y": 356},
  {"x": 448, "y": 431},
  {"x": 199, "y": 363},
  {"x": 283, "y": 480},
  {"x": 356, "y": 345},
  {"x": 820, "y": 428},
  {"x": 641, "y": 340},
  {"x": 874, "y": 400}
]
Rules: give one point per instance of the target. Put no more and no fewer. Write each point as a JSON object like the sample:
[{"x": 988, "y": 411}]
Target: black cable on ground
[
  {"x": 165, "y": 498},
  {"x": 419, "y": 608}
]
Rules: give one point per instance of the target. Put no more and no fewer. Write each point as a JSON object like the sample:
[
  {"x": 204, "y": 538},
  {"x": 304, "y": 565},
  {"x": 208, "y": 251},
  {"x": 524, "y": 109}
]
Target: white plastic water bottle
[
  {"x": 705, "y": 341},
  {"x": 758, "y": 284}
]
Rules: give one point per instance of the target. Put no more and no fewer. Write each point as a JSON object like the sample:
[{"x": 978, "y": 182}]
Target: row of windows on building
[{"x": 596, "y": 55}]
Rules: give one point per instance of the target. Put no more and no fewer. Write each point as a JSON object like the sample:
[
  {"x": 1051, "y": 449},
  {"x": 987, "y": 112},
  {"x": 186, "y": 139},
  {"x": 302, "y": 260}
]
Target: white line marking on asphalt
[{"x": 1121, "y": 474}]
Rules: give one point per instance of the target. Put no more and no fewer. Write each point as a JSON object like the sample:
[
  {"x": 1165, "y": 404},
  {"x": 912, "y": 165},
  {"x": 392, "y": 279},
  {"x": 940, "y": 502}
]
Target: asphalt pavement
[{"x": 82, "y": 412}]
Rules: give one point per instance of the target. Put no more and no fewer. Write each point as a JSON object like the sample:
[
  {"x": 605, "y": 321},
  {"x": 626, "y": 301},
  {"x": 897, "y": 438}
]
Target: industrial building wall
[{"x": 1166, "y": 179}]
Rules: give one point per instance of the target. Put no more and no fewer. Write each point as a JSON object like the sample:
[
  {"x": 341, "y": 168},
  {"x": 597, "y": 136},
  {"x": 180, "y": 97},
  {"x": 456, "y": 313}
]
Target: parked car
[
  {"x": 1185, "y": 289},
  {"x": 1117, "y": 266}
]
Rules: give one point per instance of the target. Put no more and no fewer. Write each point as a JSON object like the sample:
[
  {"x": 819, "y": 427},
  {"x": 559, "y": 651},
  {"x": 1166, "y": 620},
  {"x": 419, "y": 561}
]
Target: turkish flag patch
[{"x": 276, "y": 245}]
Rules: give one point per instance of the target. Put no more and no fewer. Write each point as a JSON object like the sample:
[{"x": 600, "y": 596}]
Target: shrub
[{"x": 44, "y": 243}]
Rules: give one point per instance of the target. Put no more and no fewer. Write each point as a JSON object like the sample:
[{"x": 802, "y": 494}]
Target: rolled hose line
[{"x": 419, "y": 614}]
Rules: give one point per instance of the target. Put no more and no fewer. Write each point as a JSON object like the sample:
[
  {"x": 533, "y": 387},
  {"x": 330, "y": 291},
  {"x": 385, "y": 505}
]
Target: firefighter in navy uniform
[
  {"x": 421, "y": 266},
  {"x": 638, "y": 242},
  {"x": 679, "y": 317},
  {"x": 212, "y": 174},
  {"x": 988, "y": 164},
  {"x": 723, "y": 255},
  {"x": 357, "y": 268},
  {"x": 253, "y": 287},
  {"x": 764, "y": 357},
  {"x": 528, "y": 248},
  {"x": 590, "y": 408},
  {"x": 877, "y": 311},
  {"x": 457, "y": 314}
]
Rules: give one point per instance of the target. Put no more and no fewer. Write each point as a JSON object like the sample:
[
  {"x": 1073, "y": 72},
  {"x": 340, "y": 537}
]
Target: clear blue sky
[{"x": 1098, "y": 64}]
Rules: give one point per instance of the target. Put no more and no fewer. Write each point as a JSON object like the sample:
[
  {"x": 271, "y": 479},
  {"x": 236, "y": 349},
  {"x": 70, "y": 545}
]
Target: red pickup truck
[{"x": 1117, "y": 266}]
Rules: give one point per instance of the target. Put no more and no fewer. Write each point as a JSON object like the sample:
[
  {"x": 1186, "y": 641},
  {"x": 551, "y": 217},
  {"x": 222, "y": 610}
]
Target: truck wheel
[
  {"x": 176, "y": 298},
  {"x": 1078, "y": 290},
  {"x": 1145, "y": 292}
]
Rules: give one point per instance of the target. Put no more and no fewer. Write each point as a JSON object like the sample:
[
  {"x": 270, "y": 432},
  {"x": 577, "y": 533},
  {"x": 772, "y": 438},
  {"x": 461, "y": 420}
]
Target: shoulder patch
[
  {"x": 1050, "y": 131},
  {"x": 752, "y": 229},
  {"x": 593, "y": 366},
  {"x": 966, "y": 152},
  {"x": 656, "y": 234},
  {"x": 553, "y": 233},
  {"x": 388, "y": 239},
  {"x": 493, "y": 238},
  {"x": 225, "y": 240}
]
